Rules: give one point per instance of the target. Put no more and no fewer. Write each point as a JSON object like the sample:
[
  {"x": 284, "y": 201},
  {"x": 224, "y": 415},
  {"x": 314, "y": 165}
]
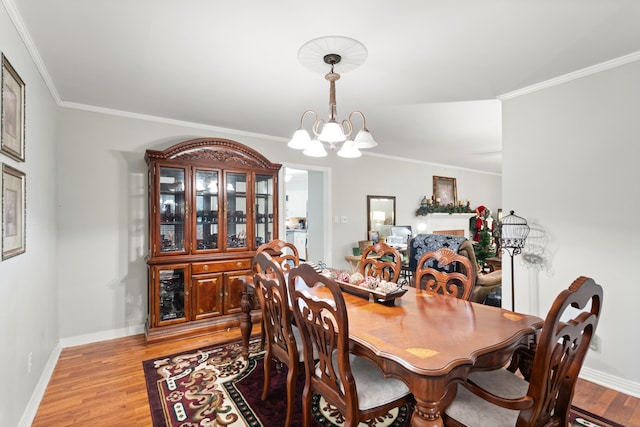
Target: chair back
[
  {"x": 382, "y": 262},
  {"x": 271, "y": 287},
  {"x": 324, "y": 327},
  {"x": 432, "y": 273},
  {"x": 283, "y": 253},
  {"x": 560, "y": 351}
]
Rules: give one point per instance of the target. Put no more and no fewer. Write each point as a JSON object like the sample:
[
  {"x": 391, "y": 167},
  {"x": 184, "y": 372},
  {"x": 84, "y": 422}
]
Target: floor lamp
[{"x": 514, "y": 231}]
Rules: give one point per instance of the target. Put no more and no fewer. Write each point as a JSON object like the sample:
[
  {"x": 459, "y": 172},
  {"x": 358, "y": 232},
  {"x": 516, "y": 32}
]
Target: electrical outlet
[
  {"x": 29, "y": 362},
  {"x": 596, "y": 343}
]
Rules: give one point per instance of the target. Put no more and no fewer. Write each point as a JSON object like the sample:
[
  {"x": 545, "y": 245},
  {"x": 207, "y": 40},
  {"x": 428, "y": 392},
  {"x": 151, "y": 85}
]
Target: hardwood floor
[{"x": 102, "y": 384}]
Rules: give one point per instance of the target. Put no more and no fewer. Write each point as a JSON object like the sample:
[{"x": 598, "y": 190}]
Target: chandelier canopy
[{"x": 332, "y": 50}]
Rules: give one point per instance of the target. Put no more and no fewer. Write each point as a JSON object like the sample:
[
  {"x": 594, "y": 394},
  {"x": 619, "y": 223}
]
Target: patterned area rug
[{"x": 216, "y": 387}]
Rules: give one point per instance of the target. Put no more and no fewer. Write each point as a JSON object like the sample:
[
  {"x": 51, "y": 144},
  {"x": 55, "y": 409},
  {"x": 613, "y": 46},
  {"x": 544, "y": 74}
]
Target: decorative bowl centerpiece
[{"x": 367, "y": 287}]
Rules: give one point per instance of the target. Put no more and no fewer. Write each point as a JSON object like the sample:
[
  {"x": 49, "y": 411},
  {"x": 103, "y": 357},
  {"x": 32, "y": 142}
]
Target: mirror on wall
[{"x": 381, "y": 215}]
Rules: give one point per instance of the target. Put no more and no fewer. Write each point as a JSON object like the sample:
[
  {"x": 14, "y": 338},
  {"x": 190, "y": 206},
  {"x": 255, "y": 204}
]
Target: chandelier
[{"x": 332, "y": 132}]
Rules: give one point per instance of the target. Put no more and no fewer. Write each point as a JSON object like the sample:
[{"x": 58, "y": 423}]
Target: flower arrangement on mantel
[{"x": 433, "y": 205}]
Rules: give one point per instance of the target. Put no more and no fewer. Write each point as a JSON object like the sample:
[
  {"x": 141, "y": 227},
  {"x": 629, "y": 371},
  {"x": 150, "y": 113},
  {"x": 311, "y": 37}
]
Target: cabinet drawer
[{"x": 217, "y": 266}]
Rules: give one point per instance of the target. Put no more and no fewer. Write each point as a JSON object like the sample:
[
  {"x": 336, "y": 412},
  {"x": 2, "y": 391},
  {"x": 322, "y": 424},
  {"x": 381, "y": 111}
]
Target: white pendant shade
[
  {"x": 300, "y": 140},
  {"x": 332, "y": 133},
  {"x": 349, "y": 150},
  {"x": 364, "y": 139},
  {"x": 315, "y": 149}
]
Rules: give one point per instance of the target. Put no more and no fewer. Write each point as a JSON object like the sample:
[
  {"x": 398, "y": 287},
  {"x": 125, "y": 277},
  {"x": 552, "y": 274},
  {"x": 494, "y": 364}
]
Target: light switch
[
  {"x": 336, "y": 219},
  {"x": 343, "y": 219}
]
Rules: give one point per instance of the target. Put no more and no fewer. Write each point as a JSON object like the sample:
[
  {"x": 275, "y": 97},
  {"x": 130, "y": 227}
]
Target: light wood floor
[{"x": 102, "y": 384}]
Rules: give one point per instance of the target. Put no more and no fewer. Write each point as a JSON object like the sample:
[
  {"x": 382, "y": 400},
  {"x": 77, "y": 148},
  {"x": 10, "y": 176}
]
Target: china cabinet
[{"x": 212, "y": 202}]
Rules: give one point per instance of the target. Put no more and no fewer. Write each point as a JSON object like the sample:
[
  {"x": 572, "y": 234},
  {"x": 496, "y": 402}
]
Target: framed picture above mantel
[{"x": 444, "y": 190}]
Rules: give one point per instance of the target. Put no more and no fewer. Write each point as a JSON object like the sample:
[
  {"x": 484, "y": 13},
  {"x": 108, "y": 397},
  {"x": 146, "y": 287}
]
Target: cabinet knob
[
  {"x": 205, "y": 267},
  {"x": 239, "y": 264}
]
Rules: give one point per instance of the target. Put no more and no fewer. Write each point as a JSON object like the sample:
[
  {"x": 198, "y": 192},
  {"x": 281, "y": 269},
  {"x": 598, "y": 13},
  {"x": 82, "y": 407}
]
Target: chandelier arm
[
  {"x": 317, "y": 125},
  {"x": 303, "y": 116},
  {"x": 364, "y": 120},
  {"x": 349, "y": 127}
]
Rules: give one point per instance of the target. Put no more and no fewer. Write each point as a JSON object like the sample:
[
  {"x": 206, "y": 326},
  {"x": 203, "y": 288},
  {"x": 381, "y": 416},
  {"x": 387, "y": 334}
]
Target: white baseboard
[
  {"x": 101, "y": 336},
  {"x": 616, "y": 383},
  {"x": 30, "y": 411},
  {"x": 36, "y": 397}
]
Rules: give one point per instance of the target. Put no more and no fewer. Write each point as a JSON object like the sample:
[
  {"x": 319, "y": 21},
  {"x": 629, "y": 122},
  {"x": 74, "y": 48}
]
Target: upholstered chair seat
[
  {"x": 466, "y": 407},
  {"x": 373, "y": 388}
]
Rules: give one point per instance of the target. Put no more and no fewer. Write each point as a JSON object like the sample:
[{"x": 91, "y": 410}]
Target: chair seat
[
  {"x": 466, "y": 407},
  {"x": 373, "y": 388}
]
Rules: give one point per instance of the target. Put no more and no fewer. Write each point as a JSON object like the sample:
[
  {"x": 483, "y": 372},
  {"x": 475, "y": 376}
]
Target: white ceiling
[{"x": 428, "y": 88}]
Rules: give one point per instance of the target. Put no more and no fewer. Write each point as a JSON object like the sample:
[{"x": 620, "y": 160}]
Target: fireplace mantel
[{"x": 445, "y": 223}]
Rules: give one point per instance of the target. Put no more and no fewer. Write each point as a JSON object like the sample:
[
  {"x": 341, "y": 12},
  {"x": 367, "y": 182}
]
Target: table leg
[
  {"x": 426, "y": 414},
  {"x": 246, "y": 325}
]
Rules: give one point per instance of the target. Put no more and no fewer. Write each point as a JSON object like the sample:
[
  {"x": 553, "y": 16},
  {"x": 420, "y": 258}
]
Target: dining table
[{"x": 430, "y": 341}]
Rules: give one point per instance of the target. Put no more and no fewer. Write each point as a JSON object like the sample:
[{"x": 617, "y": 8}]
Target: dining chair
[
  {"x": 354, "y": 385},
  {"x": 446, "y": 272},
  {"x": 506, "y": 399},
  {"x": 382, "y": 262},
  {"x": 282, "y": 338},
  {"x": 285, "y": 254}
]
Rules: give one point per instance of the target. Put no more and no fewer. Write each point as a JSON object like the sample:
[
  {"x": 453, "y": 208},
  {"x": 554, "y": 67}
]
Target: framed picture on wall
[
  {"x": 444, "y": 190},
  {"x": 13, "y": 106},
  {"x": 13, "y": 212}
]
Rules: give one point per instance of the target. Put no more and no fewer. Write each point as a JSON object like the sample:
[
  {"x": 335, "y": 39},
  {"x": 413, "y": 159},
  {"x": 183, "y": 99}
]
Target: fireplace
[{"x": 444, "y": 223}]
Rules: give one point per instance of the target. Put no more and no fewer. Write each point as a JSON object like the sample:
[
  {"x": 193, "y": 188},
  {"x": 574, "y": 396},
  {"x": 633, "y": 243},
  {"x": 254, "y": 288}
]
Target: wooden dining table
[{"x": 429, "y": 341}]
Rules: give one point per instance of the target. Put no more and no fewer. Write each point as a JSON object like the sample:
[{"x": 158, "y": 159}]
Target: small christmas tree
[
  {"x": 482, "y": 224},
  {"x": 484, "y": 248}
]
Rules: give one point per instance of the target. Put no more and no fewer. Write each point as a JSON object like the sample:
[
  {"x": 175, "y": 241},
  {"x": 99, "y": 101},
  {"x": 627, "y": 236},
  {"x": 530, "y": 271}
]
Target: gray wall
[
  {"x": 570, "y": 166},
  {"x": 28, "y": 283}
]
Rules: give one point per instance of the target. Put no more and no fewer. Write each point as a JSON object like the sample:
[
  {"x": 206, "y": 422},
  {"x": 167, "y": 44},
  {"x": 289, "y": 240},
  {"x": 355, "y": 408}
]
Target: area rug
[{"x": 215, "y": 386}]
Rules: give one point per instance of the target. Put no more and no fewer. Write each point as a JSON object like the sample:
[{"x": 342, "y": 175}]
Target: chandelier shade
[
  {"x": 300, "y": 140},
  {"x": 315, "y": 149},
  {"x": 349, "y": 150},
  {"x": 332, "y": 132}
]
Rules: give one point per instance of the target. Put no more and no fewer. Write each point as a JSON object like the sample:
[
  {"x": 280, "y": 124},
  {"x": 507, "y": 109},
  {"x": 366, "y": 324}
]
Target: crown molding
[
  {"x": 632, "y": 57},
  {"x": 15, "y": 17},
  {"x": 157, "y": 119}
]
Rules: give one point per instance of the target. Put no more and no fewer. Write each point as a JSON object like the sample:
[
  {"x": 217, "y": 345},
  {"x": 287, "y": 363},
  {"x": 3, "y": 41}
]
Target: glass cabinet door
[
  {"x": 207, "y": 208},
  {"x": 172, "y": 209},
  {"x": 236, "y": 209},
  {"x": 172, "y": 282},
  {"x": 264, "y": 209}
]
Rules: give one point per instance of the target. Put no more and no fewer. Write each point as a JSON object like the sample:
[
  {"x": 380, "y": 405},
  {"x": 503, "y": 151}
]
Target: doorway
[{"x": 306, "y": 211}]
